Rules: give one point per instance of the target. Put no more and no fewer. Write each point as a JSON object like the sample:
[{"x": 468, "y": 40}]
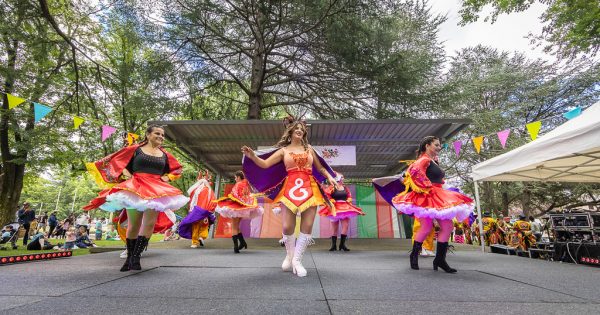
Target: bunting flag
[
  {"x": 457, "y": 146},
  {"x": 131, "y": 138},
  {"x": 107, "y": 131},
  {"x": 534, "y": 129},
  {"x": 77, "y": 121},
  {"x": 502, "y": 136},
  {"x": 40, "y": 111},
  {"x": 477, "y": 141},
  {"x": 572, "y": 113},
  {"x": 445, "y": 146},
  {"x": 14, "y": 101}
]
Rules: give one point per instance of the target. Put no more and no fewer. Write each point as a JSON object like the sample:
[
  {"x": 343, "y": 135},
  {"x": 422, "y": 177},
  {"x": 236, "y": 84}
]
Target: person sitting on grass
[
  {"x": 8, "y": 233},
  {"x": 70, "y": 239},
  {"x": 112, "y": 234},
  {"x": 39, "y": 242},
  {"x": 83, "y": 240}
]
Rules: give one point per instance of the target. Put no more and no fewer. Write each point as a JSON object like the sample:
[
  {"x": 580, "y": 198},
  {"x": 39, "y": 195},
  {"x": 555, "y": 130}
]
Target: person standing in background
[{"x": 26, "y": 215}]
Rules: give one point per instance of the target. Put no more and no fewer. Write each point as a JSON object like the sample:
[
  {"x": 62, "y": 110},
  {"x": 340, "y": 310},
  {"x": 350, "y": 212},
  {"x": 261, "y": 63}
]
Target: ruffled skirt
[
  {"x": 230, "y": 207},
  {"x": 141, "y": 192},
  {"x": 438, "y": 203},
  {"x": 343, "y": 210}
]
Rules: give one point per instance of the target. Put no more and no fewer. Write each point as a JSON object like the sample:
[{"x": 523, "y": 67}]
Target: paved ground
[{"x": 376, "y": 281}]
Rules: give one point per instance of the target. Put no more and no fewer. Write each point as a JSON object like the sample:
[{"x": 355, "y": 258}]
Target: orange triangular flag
[
  {"x": 534, "y": 129},
  {"x": 477, "y": 141},
  {"x": 14, "y": 101}
]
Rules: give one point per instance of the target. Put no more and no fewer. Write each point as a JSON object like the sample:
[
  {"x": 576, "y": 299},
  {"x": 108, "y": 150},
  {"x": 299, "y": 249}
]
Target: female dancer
[
  {"x": 238, "y": 204},
  {"x": 136, "y": 177},
  {"x": 196, "y": 224},
  {"x": 341, "y": 213},
  {"x": 287, "y": 175},
  {"x": 427, "y": 200}
]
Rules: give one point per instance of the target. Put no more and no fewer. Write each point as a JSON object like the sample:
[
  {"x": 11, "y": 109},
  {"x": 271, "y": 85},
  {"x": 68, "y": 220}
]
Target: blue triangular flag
[
  {"x": 40, "y": 111},
  {"x": 445, "y": 146},
  {"x": 572, "y": 113}
]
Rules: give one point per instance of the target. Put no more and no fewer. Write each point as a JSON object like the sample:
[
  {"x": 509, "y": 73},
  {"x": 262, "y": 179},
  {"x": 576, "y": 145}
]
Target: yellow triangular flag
[
  {"x": 534, "y": 129},
  {"x": 14, "y": 101},
  {"x": 477, "y": 141},
  {"x": 77, "y": 121},
  {"x": 132, "y": 137}
]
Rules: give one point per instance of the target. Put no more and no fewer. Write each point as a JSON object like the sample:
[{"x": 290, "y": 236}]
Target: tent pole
[{"x": 479, "y": 217}]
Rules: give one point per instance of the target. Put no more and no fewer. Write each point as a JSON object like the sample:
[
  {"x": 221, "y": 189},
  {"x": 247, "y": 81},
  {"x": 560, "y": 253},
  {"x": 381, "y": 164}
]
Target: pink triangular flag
[
  {"x": 457, "y": 146},
  {"x": 503, "y": 135},
  {"x": 107, "y": 131}
]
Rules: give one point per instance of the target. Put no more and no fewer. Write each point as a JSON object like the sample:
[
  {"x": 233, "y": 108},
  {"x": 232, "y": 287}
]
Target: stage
[{"x": 378, "y": 281}]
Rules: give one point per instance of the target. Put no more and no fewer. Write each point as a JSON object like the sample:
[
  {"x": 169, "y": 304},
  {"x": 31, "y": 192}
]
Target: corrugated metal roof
[{"x": 380, "y": 144}]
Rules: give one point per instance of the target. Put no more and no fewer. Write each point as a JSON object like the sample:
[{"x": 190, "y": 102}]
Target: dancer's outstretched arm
[{"x": 272, "y": 160}]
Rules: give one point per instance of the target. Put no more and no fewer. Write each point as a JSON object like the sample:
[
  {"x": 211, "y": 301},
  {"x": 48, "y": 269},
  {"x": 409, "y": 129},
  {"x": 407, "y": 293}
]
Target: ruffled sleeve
[
  {"x": 106, "y": 172},
  {"x": 175, "y": 169},
  {"x": 415, "y": 177}
]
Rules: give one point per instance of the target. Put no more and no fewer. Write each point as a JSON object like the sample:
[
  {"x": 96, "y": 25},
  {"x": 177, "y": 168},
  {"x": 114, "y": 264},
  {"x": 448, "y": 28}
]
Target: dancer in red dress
[
  {"x": 340, "y": 213},
  {"x": 239, "y": 204},
  {"x": 136, "y": 178},
  {"x": 427, "y": 200}
]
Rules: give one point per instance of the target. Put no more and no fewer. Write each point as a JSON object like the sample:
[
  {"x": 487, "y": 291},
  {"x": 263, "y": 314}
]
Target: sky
[{"x": 508, "y": 33}]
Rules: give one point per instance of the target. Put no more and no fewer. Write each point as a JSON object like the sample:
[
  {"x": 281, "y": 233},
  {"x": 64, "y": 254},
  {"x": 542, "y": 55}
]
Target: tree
[
  {"x": 572, "y": 26},
  {"x": 498, "y": 91}
]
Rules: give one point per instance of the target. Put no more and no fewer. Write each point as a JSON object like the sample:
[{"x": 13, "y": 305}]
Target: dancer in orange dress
[
  {"x": 289, "y": 175},
  {"x": 238, "y": 204}
]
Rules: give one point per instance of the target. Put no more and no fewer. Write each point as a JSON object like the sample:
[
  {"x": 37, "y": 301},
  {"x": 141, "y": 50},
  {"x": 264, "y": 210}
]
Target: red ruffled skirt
[
  {"x": 141, "y": 192},
  {"x": 438, "y": 203},
  {"x": 343, "y": 210}
]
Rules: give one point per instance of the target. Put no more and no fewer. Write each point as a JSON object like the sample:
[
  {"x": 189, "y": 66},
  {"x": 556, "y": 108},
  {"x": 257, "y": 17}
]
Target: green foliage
[{"x": 571, "y": 26}]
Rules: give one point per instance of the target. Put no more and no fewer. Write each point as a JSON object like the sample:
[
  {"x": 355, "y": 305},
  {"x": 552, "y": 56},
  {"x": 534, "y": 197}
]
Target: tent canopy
[
  {"x": 569, "y": 153},
  {"x": 380, "y": 144}
]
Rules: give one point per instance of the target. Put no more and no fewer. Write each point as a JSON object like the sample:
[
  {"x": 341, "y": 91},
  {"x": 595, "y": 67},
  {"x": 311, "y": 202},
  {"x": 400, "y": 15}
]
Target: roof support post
[{"x": 479, "y": 217}]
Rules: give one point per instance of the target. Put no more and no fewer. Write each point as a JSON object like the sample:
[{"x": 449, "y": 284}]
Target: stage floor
[{"x": 189, "y": 281}]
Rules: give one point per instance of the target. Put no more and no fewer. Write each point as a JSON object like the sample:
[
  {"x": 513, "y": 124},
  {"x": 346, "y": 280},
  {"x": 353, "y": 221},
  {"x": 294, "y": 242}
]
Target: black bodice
[
  {"x": 435, "y": 173},
  {"x": 339, "y": 194},
  {"x": 149, "y": 164}
]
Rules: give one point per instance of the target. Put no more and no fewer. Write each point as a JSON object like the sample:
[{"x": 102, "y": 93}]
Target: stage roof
[{"x": 380, "y": 144}]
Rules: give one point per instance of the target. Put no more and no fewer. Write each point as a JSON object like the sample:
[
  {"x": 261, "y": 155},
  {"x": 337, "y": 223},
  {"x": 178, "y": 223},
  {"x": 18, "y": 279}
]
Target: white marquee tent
[{"x": 569, "y": 153}]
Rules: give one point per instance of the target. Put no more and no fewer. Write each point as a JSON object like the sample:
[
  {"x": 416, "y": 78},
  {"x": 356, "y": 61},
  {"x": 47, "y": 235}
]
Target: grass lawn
[{"x": 22, "y": 250}]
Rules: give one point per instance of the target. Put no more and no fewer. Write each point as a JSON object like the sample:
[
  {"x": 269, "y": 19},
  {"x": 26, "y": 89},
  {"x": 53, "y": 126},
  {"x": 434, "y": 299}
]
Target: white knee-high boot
[
  {"x": 303, "y": 241},
  {"x": 290, "y": 246}
]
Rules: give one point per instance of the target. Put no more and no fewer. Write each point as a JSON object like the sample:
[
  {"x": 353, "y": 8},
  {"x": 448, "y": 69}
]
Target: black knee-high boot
[
  {"x": 242, "y": 241},
  {"x": 130, "y": 247},
  {"x": 333, "y": 244},
  {"x": 343, "y": 243},
  {"x": 414, "y": 255},
  {"x": 140, "y": 244},
  {"x": 236, "y": 248},
  {"x": 440, "y": 258}
]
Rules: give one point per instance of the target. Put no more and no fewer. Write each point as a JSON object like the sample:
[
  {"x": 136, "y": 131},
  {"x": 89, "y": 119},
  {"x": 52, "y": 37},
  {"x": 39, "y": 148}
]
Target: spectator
[
  {"x": 9, "y": 235},
  {"x": 26, "y": 216},
  {"x": 99, "y": 229},
  {"x": 33, "y": 227},
  {"x": 70, "y": 239},
  {"x": 43, "y": 221},
  {"x": 83, "y": 220},
  {"x": 536, "y": 228},
  {"x": 52, "y": 223},
  {"x": 67, "y": 224},
  {"x": 111, "y": 234},
  {"x": 82, "y": 240},
  {"x": 39, "y": 242}
]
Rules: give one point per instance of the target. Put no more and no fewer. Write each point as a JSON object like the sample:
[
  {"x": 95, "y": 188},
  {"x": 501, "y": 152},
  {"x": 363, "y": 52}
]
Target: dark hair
[
  {"x": 531, "y": 218},
  {"x": 239, "y": 174},
  {"x": 424, "y": 142},
  {"x": 149, "y": 131}
]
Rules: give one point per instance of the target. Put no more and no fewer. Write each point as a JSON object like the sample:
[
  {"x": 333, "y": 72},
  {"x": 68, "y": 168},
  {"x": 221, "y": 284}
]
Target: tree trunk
[
  {"x": 10, "y": 191},
  {"x": 526, "y": 200}
]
